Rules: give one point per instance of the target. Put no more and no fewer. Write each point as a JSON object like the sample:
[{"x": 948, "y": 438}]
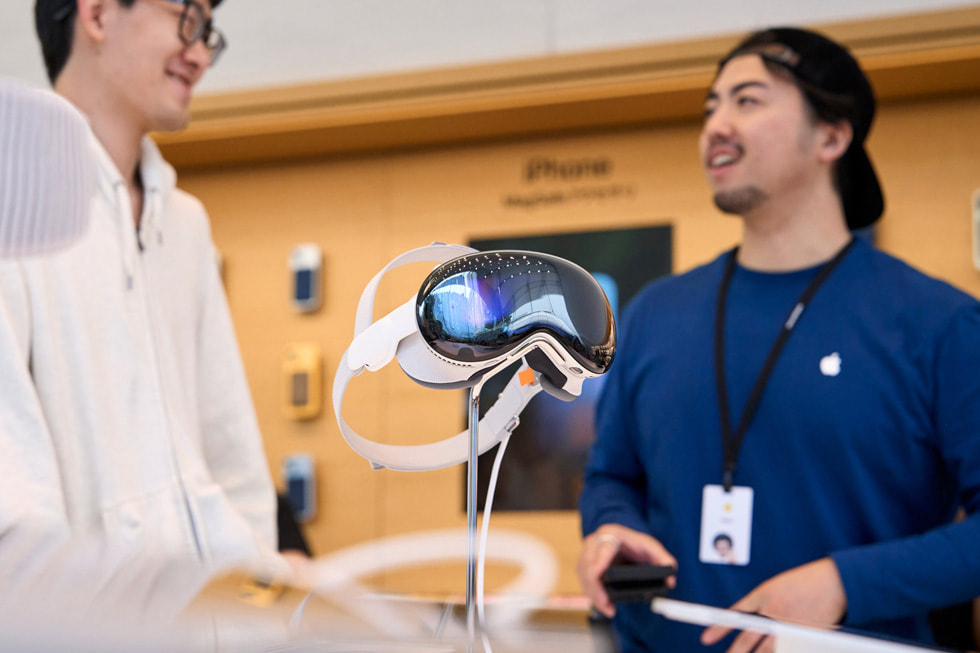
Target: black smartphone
[{"x": 629, "y": 583}]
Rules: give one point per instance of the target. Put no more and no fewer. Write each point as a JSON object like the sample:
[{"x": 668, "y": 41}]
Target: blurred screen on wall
[{"x": 543, "y": 464}]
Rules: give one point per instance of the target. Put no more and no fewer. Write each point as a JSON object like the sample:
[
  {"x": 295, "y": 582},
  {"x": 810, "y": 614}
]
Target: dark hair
[
  {"x": 822, "y": 104},
  {"x": 722, "y": 537},
  {"x": 54, "y": 21},
  {"x": 835, "y": 89}
]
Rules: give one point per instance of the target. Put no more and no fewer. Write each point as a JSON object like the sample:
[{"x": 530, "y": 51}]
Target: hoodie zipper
[{"x": 152, "y": 206}]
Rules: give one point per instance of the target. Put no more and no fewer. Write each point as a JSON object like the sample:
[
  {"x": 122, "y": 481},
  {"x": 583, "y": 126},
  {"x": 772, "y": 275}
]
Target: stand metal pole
[
  {"x": 471, "y": 541},
  {"x": 471, "y": 487}
]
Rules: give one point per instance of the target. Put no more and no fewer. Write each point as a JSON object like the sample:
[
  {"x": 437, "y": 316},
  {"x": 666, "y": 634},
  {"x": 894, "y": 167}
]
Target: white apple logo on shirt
[{"x": 830, "y": 365}]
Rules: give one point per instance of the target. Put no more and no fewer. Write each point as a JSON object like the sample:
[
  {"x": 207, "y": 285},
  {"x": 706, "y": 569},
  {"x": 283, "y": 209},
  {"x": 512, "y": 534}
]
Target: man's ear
[
  {"x": 835, "y": 138},
  {"x": 91, "y": 18}
]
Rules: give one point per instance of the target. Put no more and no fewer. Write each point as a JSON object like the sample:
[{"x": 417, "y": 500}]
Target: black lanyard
[{"x": 731, "y": 443}]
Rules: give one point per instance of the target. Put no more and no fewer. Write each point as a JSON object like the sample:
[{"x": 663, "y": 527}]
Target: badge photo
[{"x": 726, "y": 525}]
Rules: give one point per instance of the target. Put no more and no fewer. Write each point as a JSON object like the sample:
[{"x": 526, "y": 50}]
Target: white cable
[{"x": 484, "y": 530}]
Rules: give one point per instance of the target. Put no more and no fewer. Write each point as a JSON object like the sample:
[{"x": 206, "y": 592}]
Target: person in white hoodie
[{"x": 125, "y": 414}]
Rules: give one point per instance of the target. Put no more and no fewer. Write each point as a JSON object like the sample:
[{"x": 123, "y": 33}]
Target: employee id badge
[{"x": 726, "y": 525}]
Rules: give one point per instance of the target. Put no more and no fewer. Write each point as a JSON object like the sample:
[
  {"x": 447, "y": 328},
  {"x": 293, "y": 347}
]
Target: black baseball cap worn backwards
[{"x": 819, "y": 63}]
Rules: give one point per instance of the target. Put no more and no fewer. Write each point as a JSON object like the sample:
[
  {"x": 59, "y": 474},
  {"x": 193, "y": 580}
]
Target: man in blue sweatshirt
[{"x": 814, "y": 399}]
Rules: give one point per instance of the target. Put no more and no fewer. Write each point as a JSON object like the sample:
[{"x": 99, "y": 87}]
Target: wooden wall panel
[
  {"x": 905, "y": 56},
  {"x": 928, "y": 157},
  {"x": 363, "y": 209}
]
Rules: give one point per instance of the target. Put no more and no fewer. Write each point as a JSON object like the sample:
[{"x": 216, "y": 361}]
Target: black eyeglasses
[{"x": 194, "y": 26}]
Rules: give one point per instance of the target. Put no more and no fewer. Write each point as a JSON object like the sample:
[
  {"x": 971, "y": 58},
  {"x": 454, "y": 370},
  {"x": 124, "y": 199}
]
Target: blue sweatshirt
[{"x": 867, "y": 465}]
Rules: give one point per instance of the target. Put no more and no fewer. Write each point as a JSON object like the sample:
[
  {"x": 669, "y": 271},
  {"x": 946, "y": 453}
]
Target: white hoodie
[{"x": 125, "y": 415}]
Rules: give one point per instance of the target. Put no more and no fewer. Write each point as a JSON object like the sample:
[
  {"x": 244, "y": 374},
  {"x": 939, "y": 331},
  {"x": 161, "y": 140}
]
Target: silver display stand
[
  {"x": 471, "y": 489},
  {"x": 471, "y": 485}
]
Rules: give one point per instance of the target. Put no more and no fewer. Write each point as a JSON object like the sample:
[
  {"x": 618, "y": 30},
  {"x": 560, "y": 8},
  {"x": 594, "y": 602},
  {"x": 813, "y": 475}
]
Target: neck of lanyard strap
[{"x": 731, "y": 442}]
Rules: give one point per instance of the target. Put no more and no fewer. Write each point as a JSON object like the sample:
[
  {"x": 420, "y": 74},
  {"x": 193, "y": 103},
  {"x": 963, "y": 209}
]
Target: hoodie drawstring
[{"x": 125, "y": 225}]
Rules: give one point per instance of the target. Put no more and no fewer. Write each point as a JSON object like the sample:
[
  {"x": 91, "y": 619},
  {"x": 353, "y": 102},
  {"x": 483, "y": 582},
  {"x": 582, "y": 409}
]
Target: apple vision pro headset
[{"x": 475, "y": 314}]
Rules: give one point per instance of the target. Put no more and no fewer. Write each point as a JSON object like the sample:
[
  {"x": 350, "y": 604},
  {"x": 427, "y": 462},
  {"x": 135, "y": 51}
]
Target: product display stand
[
  {"x": 472, "y": 626},
  {"x": 471, "y": 487},
  {"x": 471, "y": 490}
]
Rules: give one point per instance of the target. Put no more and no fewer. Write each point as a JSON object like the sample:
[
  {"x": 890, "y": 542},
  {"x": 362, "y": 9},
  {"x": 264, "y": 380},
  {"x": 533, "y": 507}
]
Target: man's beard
[{"x": 741, "y": 200}]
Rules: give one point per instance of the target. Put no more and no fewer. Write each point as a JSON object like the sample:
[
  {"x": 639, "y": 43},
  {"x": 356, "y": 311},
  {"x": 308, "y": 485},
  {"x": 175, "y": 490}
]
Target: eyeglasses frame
[{"x": 203, "y": 30}]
